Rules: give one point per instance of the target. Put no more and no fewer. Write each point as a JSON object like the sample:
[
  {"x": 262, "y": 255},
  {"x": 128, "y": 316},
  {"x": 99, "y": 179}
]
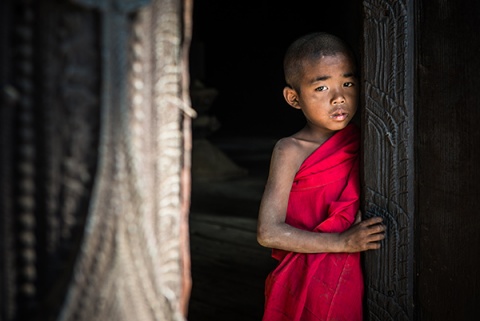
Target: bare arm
[{"x": 273, "y": 232}]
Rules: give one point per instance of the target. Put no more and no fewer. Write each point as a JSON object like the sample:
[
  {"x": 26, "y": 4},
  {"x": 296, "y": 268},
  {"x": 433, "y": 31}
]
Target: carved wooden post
[
  {"x": 94, "y": 127},
  {"x": 388, "y": 158},
  {"x": 130, "y": 266}
]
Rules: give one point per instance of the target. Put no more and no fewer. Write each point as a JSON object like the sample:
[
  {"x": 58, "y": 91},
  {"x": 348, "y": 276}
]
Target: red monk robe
[{"x": 324, "y": 198}]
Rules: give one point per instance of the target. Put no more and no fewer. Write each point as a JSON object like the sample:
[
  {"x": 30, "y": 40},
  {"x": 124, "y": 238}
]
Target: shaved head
[{"x": 311, "y": 47}]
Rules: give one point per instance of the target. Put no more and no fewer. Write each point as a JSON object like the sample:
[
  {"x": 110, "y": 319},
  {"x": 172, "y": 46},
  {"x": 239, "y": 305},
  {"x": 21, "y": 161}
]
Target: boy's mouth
[{"x": 339, "y": 115}]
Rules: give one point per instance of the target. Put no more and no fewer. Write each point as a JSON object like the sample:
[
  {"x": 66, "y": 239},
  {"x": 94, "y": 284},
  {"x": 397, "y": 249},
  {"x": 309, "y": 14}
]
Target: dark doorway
[
  {"x": 238, "y": 48},
  {"x": 237, "y": 51}
]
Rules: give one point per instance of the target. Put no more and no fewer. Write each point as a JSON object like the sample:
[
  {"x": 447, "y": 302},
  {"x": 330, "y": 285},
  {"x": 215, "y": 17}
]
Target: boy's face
[{"x": 328, "y": 93}]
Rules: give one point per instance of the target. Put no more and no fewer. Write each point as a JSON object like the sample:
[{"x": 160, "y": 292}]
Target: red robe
[{"x": 324, "y": 198}]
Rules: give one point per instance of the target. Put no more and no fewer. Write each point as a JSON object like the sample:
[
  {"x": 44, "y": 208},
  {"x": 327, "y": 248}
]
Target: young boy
[{"x": 309, "y": 214}]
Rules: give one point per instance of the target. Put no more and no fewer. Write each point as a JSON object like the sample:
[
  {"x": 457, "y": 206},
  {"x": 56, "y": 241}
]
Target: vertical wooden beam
[
  {"x": 447, "y": 160},
  {"x": 388, "y": 160}
]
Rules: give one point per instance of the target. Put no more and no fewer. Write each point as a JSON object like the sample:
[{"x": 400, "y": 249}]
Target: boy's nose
[{"x": 338, "y": 99}]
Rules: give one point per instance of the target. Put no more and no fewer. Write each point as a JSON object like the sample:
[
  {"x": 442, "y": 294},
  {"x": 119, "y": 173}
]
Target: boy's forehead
[
  {"x": 339, "y": 60},
  {"x": 340, "y": 56}
]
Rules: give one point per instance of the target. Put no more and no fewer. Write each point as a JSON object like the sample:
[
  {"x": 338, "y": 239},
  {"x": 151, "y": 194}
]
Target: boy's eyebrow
[{"x": 323, "y": 78}]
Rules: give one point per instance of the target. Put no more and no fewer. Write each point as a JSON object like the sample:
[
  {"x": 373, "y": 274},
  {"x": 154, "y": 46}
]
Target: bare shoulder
[
  {"x": 287, "y": 146},
  {"x": 290, "y": 152}
]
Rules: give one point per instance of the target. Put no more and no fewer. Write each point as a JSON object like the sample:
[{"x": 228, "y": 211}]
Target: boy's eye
[
  {"x": 321, "y": 88},
  {"x": 348, "y": 84}
]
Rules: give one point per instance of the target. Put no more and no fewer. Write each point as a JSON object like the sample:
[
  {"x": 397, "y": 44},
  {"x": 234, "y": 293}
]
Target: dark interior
[{"x": 238, "y": 46}]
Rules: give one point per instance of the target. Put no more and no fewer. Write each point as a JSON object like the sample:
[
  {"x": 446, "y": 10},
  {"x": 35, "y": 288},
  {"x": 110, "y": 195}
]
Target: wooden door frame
[{"x": 388, "y": 155}]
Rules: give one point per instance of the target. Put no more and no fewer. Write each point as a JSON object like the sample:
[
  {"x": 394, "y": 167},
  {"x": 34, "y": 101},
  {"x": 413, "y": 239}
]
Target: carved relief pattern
[
  {"x": 18, "y": 238},
  {"x": 70, "y": 120},
  {"x": 93, "y": 228},
  {"x": 129, "y": 267},
  {"x": 167, "y": 93},
  {"x": 55, "y": 95},
  {"x": 26, "y": 154},
  {"x": 388, "y": 151}
]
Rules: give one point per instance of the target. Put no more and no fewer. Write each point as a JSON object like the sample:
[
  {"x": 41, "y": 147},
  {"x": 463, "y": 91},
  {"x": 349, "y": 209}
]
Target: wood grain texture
[
  {"x": 388, "y": 155},
  {"x": 448, "y": 160}
]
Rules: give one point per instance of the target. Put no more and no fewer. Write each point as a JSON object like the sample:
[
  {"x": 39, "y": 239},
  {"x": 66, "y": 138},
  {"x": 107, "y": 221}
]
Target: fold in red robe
[{"x": 324, "y": 198}]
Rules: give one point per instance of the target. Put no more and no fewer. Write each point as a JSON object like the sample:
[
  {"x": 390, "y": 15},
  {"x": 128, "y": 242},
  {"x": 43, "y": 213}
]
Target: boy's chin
[{"x": 338, "y": 125}]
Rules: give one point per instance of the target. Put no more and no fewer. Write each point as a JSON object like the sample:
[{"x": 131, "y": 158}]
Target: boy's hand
[{"x": 363, "y": 235}]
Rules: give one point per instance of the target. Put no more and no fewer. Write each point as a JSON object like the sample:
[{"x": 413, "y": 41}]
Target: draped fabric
[{"x": 324, "y": 198}]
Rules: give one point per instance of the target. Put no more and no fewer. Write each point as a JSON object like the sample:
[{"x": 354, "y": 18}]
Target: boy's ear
[{"x": 291, "y": 97}]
